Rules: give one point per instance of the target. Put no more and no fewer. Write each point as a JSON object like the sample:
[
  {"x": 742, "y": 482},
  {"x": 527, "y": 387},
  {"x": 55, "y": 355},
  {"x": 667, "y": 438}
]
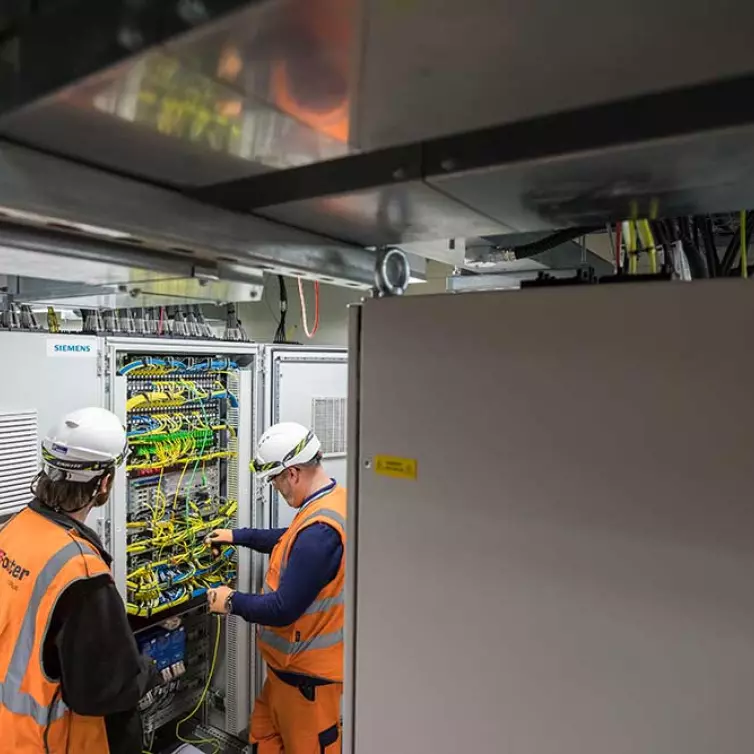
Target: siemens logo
[{"x": 71, "y": 348}]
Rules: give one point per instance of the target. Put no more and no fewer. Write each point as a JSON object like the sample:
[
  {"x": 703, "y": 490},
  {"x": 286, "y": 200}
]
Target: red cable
[
  {"x": 159, "y": 324},
  {"x": 618, "y": 240},
  {"x": 303, "y": 308},
  {"x": 316, "y": 306}
]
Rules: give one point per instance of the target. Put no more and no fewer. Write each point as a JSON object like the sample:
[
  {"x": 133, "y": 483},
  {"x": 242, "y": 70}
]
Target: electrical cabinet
[
  {"x": 42, "y": 378},
  {"x": 190, "y": 409},
  {"x": 551, "y": 537},
  {"x": 308, "y": 386}
]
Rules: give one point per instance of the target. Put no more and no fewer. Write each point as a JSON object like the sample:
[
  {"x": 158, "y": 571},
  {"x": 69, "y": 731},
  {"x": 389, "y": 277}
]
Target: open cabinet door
[{"x": 308, "y": 386}]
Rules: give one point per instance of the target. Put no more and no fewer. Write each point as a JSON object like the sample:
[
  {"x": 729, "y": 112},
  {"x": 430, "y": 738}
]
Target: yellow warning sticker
[{"x": 400, "y": 468}]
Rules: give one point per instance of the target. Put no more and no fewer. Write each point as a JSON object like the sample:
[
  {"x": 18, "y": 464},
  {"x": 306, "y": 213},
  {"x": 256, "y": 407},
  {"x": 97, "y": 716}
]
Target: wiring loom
[
  {"x": 202, "y": 697},
  {"x": 182, "y": 419},
  {"x": 179, "y": 437}
]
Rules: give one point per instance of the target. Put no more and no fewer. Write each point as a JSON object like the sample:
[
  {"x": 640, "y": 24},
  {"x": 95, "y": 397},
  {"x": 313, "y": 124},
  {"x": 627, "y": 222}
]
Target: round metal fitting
[{"x": 392, "y": 272}]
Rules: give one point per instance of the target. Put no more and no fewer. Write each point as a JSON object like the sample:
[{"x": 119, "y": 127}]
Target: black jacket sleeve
[{"x": 101, "y": 671}]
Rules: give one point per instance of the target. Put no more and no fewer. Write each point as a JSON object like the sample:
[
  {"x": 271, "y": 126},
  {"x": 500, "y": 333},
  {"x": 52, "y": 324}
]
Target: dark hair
[
  {"x": 316, "y": 461},
  {"x": 64, "y": 495}
]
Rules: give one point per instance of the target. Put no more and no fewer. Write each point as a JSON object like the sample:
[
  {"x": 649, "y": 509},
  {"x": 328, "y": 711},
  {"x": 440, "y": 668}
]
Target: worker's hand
[
  {"x": 219, "y": 599},
  {"x": 219, "y": 537}
]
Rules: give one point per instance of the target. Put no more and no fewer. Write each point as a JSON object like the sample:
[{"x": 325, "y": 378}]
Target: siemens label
[{"x": 71, "y": 348}]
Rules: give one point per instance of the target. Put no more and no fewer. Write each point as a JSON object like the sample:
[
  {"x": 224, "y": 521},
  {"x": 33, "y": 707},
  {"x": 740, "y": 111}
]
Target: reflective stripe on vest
[
  {"x": 21, "y": 703},
  {"x": 279, "y": 644},
  {"x": 318, "y": 606},
  {"x": 11, "y": 696},
  {"x": 321, "y": 606}
]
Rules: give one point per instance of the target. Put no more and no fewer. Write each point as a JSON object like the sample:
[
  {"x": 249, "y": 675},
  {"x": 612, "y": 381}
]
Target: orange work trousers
[{"x": 284, "y": 721}]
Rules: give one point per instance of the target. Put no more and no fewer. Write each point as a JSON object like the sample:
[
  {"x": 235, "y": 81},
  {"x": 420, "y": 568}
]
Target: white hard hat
[
  {"x": 84, "y": 445},
  {"x": 283, "y": 446}
]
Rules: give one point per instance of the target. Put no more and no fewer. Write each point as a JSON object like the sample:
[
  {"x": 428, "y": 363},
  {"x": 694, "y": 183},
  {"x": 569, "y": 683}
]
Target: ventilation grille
[
  {"x": 19, "y": 454},
  {"x": 329, "y": 424},
  {"x": 231, "y": 663}
]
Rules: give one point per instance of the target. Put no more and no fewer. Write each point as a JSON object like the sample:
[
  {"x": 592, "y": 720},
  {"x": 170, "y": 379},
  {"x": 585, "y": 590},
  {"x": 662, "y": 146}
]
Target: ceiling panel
[
  {"x": 688, "y": 175},
  {"x": 434, "y": 68},
  {"x": 407, "y": 212},
  {"x": 285, "y": 83},
  {"x": 192, "y": 95}
]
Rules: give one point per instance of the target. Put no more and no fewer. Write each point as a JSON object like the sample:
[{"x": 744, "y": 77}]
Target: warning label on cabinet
[{"x": 399, "y": 468}]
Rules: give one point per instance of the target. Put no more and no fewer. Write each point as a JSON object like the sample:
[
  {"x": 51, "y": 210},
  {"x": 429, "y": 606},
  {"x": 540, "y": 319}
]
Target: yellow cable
[
  {"x": 213, "y": 741},
  {"x": 648, "y": 242},
  {"x": 744, "y": 262},
  {"x": 634, "y": 264},
  {"x": 159, "y": 496},
  {"x": 629, "y": 235}
]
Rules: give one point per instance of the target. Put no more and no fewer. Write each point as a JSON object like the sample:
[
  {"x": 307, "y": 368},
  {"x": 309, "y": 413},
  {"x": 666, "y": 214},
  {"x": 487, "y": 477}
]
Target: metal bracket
[{"x": 104, "y": 531}]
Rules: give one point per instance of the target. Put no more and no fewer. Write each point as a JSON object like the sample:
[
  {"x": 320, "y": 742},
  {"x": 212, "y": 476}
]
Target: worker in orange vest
[
  {"x": 70, "y": 673},
  {"x": 300, "y": 614}
]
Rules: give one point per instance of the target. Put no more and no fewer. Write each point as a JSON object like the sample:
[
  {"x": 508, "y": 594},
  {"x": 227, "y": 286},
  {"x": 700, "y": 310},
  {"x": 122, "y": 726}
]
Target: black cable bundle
[
  {"x": 704, "y": 226},
  {"x": 550, "y": 242},
  {"x": 688, "y": 234},
  {"x": 280, "y": 336},
  {"x": 734, "y": 247}
]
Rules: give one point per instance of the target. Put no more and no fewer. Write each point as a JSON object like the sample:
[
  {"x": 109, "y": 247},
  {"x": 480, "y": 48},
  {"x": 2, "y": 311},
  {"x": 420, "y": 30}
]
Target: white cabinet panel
[
  {"x": 43, "y": 378},
  {"x": 570, "y": 570},
  {"x": 310, "y": 387}
]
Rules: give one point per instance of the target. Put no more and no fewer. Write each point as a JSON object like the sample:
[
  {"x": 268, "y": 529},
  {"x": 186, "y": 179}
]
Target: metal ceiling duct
[
  {"x": 377, "y": 122},
  {"x": 47, "y": 266},
  {"x": 48, "y": 192}
]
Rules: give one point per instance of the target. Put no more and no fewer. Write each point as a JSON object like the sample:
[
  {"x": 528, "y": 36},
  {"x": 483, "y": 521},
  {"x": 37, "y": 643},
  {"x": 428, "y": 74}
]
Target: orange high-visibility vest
[
  {"x": 312, "y": 645},
  {"x": 39, "y": 559}
]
